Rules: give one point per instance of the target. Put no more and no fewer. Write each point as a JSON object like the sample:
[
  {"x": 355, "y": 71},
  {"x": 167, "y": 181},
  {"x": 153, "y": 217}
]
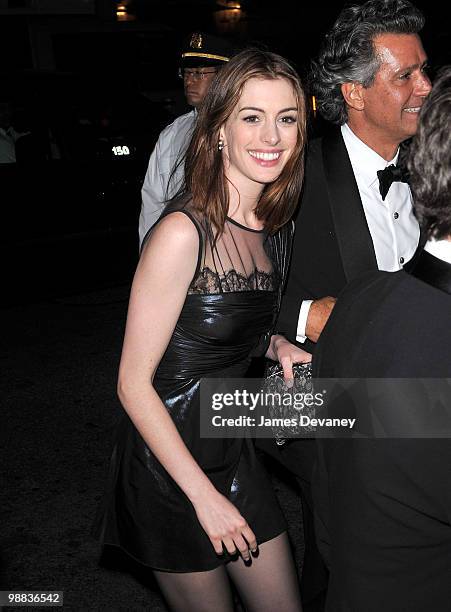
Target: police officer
[{"x": 201, "y": 58}]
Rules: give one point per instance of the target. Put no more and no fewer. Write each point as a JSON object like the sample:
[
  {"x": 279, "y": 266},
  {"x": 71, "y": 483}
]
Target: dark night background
[{"x": 82, "y": 77}]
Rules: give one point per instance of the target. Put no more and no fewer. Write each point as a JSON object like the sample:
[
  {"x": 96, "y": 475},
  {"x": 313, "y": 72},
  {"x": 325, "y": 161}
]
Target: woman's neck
[{"x": 242, "y": 205}]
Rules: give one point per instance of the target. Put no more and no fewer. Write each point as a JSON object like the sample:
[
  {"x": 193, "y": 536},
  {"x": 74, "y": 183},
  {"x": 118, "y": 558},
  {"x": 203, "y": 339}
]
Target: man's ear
[{"x": 353, "y": 95}]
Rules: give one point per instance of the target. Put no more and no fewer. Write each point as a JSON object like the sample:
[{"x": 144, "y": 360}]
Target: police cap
[{"x": 203, "y": 49}]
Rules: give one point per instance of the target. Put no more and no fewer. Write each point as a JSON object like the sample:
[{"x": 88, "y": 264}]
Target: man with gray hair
[
  {"x": 383, "y": 497},
  {"x": 370, "y": 81}
]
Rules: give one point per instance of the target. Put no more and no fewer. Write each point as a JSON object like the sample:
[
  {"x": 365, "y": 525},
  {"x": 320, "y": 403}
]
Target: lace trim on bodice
[{"x": 209, "y": 282}]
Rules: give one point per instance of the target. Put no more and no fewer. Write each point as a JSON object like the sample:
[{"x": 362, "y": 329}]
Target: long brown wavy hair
[{"x": 205, "y": 177}]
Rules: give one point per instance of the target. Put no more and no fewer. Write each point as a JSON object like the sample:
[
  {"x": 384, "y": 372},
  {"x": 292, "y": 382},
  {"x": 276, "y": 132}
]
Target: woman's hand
[
  {"x": 287, "y": 354},
  {"x": 225, "y": 526}
]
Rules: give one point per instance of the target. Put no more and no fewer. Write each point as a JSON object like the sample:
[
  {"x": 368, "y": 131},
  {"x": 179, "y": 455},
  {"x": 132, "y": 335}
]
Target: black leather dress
[{"x": 227, "y": 318}]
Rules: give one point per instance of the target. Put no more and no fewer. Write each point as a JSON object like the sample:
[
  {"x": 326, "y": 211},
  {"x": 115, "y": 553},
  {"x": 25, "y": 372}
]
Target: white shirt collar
[
  {"x": 11, "y": 134},
  {"x": 440, "y": 249},
  {"x": 364, "y": 160},
  {"x": 7, "y": 132}
]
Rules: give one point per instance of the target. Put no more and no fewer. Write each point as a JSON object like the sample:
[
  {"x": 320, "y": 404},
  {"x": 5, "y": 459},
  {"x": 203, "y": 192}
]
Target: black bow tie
[{"x": 388, "y": 176}]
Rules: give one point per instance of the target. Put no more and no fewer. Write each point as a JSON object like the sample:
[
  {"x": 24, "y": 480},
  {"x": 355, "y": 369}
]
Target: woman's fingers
[
  {"x": 287, "y": 364},
  {"x": 250, "y": 538},
  {"x": 243, "y": 547},
  {"x": 242, "y": 543},
  {"x": 288, "y": 354},
  {"x": 225, "y": 527},
  {"x": 237, "y": 545},
  {"x": 230, "y": 545},
  {"x": 217, "y": 545},
  {"x": 304, "y": 357}
]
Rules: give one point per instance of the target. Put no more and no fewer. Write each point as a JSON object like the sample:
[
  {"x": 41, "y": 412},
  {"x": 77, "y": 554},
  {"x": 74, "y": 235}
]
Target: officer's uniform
[{"x": 164, "y": 177}]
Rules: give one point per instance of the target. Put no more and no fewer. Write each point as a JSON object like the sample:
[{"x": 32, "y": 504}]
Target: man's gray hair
[{"x": 348, "y": 53}]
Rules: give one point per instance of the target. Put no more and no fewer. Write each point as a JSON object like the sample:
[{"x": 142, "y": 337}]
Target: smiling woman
[
  {"x": 263, "y": 117},
  {"x": 204, "y": 302},
  {"x": 260, "y": 135}
]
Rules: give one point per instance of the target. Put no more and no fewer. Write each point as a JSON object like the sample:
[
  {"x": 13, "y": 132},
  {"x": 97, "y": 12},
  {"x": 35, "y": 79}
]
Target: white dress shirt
[
  {"x": 170, "y": 148},
  {"x": 393, "y": 227},
  {"x": 440, "y": 249}
]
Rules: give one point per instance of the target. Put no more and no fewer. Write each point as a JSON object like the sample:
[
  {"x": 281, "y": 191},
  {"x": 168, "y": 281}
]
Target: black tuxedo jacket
[
  {"x": 384, "y": 505},
  {"x": 332, "y": 242}
]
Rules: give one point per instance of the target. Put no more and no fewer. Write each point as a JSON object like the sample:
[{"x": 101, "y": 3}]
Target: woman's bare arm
[{"x": 159, "y": 290}]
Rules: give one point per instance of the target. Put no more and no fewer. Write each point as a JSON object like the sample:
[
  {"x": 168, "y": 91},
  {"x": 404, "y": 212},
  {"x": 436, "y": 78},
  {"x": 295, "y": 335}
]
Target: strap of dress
[{"x": 179, "y": 205}]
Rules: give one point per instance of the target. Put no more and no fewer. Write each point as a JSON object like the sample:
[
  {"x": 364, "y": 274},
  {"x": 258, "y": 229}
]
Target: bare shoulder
[
  {"x": 175, "y": 234},
  {"x": 179, "y": 225}
]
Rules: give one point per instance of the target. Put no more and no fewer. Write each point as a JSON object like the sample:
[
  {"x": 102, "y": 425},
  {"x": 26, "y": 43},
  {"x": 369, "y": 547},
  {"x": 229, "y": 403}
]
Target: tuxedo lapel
[{"x": 351, "y": 229}]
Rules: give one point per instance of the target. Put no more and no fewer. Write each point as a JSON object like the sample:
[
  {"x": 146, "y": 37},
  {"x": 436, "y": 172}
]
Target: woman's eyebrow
[{"x": 261, "y": 110}]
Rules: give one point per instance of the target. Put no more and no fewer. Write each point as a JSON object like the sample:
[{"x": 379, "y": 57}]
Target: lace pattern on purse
[{"x": 285, "y": 414}]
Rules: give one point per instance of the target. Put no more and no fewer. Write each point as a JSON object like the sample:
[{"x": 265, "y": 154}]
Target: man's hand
[{"x": 317, "y": 317}]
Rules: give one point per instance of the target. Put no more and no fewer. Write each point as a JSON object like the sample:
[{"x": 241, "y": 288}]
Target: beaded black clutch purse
[{"x": 286, "y": 405}]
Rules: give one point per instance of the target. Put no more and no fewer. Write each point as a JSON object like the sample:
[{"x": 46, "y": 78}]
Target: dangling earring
[{"x": 220, "y": 144}]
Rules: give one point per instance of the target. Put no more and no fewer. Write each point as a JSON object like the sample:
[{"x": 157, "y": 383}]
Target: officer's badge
[{"x": 196, "y": 41}]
